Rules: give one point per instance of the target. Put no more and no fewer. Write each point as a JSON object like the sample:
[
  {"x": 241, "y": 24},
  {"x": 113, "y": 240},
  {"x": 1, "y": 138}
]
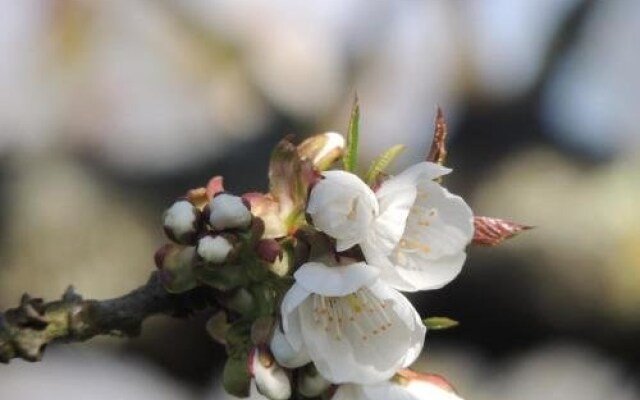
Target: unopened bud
[
  {"x": 323, "y": 150},
  {"x": 182, "y": 222},
  {"x": 175, "y": 264},
  {"x": 423, "y": 385},
  {"x": 285, "y": 354},
  {"x": 271, "y": 380},
  {"x": 311, "y": 383},
  {"x": 227, "y": 211},
  {"x": 269, "y": 250},
  {"x": 215, "y": 249}
]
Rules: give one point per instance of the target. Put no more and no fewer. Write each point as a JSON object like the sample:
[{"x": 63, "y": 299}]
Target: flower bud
[
  {"x": 271, "y": 380},
  {"x": 323, "y": 150},
  {"x": 214, "y": 249},
  {"x": 269, "y": 250},
  {"x": 311, "y": 383},
  {"x": 227, "y": 211},
  {"x": 182, "y": 222},
  {"x": 286, "y": 355},
  {"x": 175, "y": 264}
]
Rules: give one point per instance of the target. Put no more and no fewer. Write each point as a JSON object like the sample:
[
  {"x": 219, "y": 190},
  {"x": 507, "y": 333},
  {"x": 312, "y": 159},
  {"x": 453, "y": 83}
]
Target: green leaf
[
  {"x": 382, "y": 162},
  {"x": 235, "y": 377},
  {"x": 222, "y": 277},
  {"x": 438, "y": 323},
  {"x": 350, "y": 158},
  {"x": 218, "y": 326}
]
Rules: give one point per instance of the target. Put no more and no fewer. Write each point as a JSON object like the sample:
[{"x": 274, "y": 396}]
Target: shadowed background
[{"x": 111, "y": 109}]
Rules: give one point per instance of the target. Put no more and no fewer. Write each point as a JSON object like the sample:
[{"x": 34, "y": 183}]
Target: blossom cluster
[{"x": 309, "y": 277}]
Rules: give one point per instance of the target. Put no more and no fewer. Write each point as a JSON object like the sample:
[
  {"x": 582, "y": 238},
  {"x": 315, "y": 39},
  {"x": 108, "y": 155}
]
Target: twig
[{"x": 27, "y": 329}]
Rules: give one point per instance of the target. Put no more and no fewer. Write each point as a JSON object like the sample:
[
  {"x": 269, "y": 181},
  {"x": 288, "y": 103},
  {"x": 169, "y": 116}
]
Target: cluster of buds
[
  {"x": 309, "y": 276},
  {"x": 208, "y": 228}
]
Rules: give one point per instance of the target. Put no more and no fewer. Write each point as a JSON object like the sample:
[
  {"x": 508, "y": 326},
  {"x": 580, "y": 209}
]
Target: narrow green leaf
[
  {"x": 438, "y": 323},
  {"x": 350, "y": 158},
  {"x": 382, "y": 162}
]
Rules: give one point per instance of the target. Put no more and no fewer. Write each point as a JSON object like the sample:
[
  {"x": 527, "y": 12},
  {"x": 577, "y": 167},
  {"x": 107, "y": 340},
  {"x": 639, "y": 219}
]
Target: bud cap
[
  {"x": 214, "y": 249},
  {"x": 228, "y": 212}
]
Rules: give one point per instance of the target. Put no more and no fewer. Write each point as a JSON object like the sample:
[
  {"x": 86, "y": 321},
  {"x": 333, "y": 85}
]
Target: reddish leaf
[
  {"x": 201, "y": 196},
  {"x": 215, "y": 186},
  {"x": 493, "y": 231},
  {"x": 438, "y": 151}
]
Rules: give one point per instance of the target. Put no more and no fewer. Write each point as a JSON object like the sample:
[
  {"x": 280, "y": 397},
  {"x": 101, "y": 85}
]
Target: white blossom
[
  {"x": 352, "y": 325},
  {"x": 427, "y": 251},
  {"x": 411, "y": 228},
  {"x": 391, "y": 390},
  {"x": 342, "y": 206}
]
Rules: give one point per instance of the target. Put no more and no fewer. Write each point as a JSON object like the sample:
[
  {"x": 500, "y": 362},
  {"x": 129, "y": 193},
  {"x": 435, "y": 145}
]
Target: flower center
[{"x": 355, "y": 316}]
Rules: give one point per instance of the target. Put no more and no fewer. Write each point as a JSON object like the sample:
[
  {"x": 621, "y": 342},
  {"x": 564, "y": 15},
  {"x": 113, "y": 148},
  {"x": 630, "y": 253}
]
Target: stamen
[
  {"x": 412, "y": 244},
  {"x": 355, "y": 316}
]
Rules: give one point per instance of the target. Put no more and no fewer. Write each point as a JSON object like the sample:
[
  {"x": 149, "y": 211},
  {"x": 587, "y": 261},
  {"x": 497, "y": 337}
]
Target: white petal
[
  {"x": 290, "y": 318},
  {"x": 422, "y": 390},
  {"x": 431, "y": 251},
  {"x": 383, "y": 337},
  {"x": 273, "y": 382},
  {"x": 349, "y": 391},
  {"x": 342, "y": 206},
  {"x": 318, "y": 278},
  {"x": 410, "y": 317},
  {"x": 441, "y": 220},
  {"x": 415, "y": 390},
  {"x": 424, "y": 171},
  {"x": 284, "y": 352},
  {"x": 415, "y": 273},
  {"x": 395, "y": 197}
]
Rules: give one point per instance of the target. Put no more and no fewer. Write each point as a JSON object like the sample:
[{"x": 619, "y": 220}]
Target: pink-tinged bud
[
  {"x": 418, "y": 383},
  {"x": 272, "y": 381},
  {"x": 311, "y": 383},
  {"x": 227, "y": 211},
  {"x": 269, "y": 250},
  {"x": 215, "y": 249},
  {"x": 181, "y": 222},
  {"x": 323, "y": 150}
]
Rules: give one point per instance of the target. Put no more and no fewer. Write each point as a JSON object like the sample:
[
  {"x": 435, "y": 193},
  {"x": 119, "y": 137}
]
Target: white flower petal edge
[
  {"x": 430, "y": 250},
  {"x": 285, "y": 354},
  {"x": 361, "y": 332},
  {"x": 342, "y": 206},
  {"x": 271, "y": 380},
  {"x": 389, "y": 390}
]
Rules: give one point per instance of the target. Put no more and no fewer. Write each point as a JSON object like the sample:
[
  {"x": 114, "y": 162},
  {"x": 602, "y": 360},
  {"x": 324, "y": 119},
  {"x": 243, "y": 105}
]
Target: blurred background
[{"x": 111, "y": 109}]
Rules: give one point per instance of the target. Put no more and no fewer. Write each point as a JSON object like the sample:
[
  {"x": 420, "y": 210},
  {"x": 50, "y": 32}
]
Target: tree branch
[{"x": 27, "y": 329}]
